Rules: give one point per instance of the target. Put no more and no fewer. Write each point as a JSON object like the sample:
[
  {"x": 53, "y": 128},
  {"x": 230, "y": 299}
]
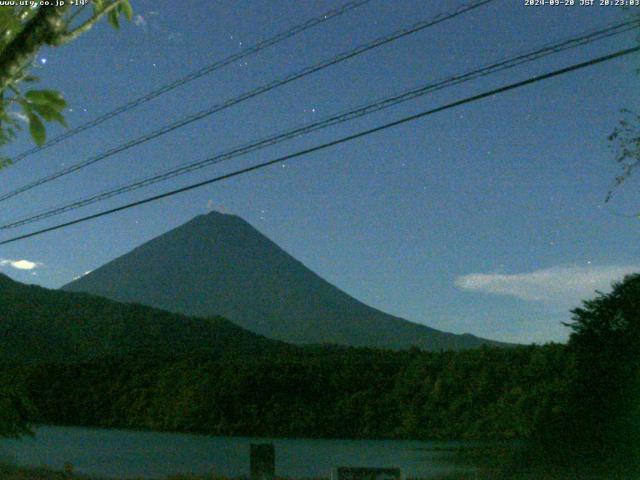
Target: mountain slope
[
  {"x": 219, "y": 264},
  {"x": 37, "y": 324}
]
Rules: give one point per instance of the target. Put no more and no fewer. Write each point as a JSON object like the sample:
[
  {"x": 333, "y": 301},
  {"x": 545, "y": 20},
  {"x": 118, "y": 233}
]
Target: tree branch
[
  {"x": 41, "y": 30},
  {"x": 66, "y": 37},
  {"x": 75, "y": 14}
]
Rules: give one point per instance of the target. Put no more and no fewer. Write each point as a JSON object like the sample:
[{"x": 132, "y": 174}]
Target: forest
[
  {"x": 575, "y": 404},
  {"x": 320, "y": 392}
]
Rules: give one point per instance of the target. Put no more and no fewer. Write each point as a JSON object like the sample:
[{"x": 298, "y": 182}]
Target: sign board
[
  {"x": 363, "y": 473},
  {"x": 263, "y": 461}
]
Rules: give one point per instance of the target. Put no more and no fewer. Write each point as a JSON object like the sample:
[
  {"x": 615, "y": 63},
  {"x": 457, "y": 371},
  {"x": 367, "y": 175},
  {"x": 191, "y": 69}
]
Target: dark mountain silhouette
[
  {"x": 41, "y": 325},
  {"x": 218, "y": 264}
]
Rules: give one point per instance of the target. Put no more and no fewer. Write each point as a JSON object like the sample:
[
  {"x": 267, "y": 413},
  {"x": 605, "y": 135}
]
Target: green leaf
[
  {"x": 50, "y": 114},
  {"x": 113, "y": 18},
  {"x": 8, "y": 16},
  {"x": 26, "y": 106},
  {"x": 46, "y": 97},
  {"x": 36, "y": 127},
  {"x": 126, "y": 8},
  {"x": 98, "y": 6}
]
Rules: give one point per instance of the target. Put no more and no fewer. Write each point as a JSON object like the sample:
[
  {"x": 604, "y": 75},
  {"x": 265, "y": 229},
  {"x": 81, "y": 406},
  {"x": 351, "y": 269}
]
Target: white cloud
[
  {"x": 558, "y": 285},
  {"x": 20, "y": 264}
]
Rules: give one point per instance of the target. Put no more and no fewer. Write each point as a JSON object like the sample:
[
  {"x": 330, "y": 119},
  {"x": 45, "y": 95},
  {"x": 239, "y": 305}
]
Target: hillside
[
  {"x": 218, "y": 264},
  {"x": 37, "y": 324}
]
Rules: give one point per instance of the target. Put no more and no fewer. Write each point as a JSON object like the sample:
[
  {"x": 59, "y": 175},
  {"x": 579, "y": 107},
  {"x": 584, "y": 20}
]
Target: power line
[
  {"x": 324, "y": 146},
  {"x": 335, "y": 119},
  {"x": 269, "y": 42},
  {"x": 378, "y": 42}
]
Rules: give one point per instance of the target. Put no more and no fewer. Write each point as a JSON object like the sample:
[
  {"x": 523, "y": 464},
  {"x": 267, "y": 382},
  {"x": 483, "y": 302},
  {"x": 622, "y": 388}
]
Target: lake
[{"x": 125, "y": 453}]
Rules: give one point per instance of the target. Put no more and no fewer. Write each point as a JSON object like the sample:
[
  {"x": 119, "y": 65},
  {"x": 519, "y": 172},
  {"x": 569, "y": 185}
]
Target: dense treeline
[
  {"x": 348, "y": 393},
  {"x": 41, "y": 325}
]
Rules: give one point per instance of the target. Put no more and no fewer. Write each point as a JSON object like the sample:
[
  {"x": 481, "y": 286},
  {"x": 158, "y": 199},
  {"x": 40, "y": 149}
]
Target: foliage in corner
[
  {"x": 26, "y": 29},
  {"x": 625, "y": 140}
]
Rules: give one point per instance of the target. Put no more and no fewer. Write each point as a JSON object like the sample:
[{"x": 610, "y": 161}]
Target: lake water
[{"x": 125, "y": 454}]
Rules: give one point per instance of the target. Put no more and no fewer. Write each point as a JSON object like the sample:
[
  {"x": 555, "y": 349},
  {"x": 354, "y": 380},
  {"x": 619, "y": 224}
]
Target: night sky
[{"x": 488, "y": 218}]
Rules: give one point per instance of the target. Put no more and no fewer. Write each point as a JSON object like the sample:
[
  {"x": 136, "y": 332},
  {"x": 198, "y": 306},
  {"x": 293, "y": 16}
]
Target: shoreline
[
  {"x": 480, "y": 441},
  {"x": 10, "y": 472}
]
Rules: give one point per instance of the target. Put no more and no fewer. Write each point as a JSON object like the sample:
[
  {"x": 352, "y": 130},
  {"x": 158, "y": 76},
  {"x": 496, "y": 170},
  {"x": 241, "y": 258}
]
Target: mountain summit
[{"x": 218, "y": 264}]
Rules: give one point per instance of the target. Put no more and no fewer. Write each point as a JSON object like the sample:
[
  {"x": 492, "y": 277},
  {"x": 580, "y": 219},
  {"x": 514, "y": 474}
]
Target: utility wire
[
  {"x": 284, "y": 35},
  {"x": 335, "y": 119},
  {"x": 416, "y": 27},
  {"x": 324, "y": 146}
]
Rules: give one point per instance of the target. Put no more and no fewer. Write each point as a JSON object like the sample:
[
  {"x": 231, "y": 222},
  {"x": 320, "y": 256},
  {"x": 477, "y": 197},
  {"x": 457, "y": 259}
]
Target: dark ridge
[{"x": 41, "y": 325}]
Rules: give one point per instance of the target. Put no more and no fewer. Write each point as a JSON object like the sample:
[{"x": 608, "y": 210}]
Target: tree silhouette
[{"x": 598, "y": 426}]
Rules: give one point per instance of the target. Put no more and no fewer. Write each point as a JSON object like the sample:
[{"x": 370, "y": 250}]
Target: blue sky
[{"x": 487, "y": 218}]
